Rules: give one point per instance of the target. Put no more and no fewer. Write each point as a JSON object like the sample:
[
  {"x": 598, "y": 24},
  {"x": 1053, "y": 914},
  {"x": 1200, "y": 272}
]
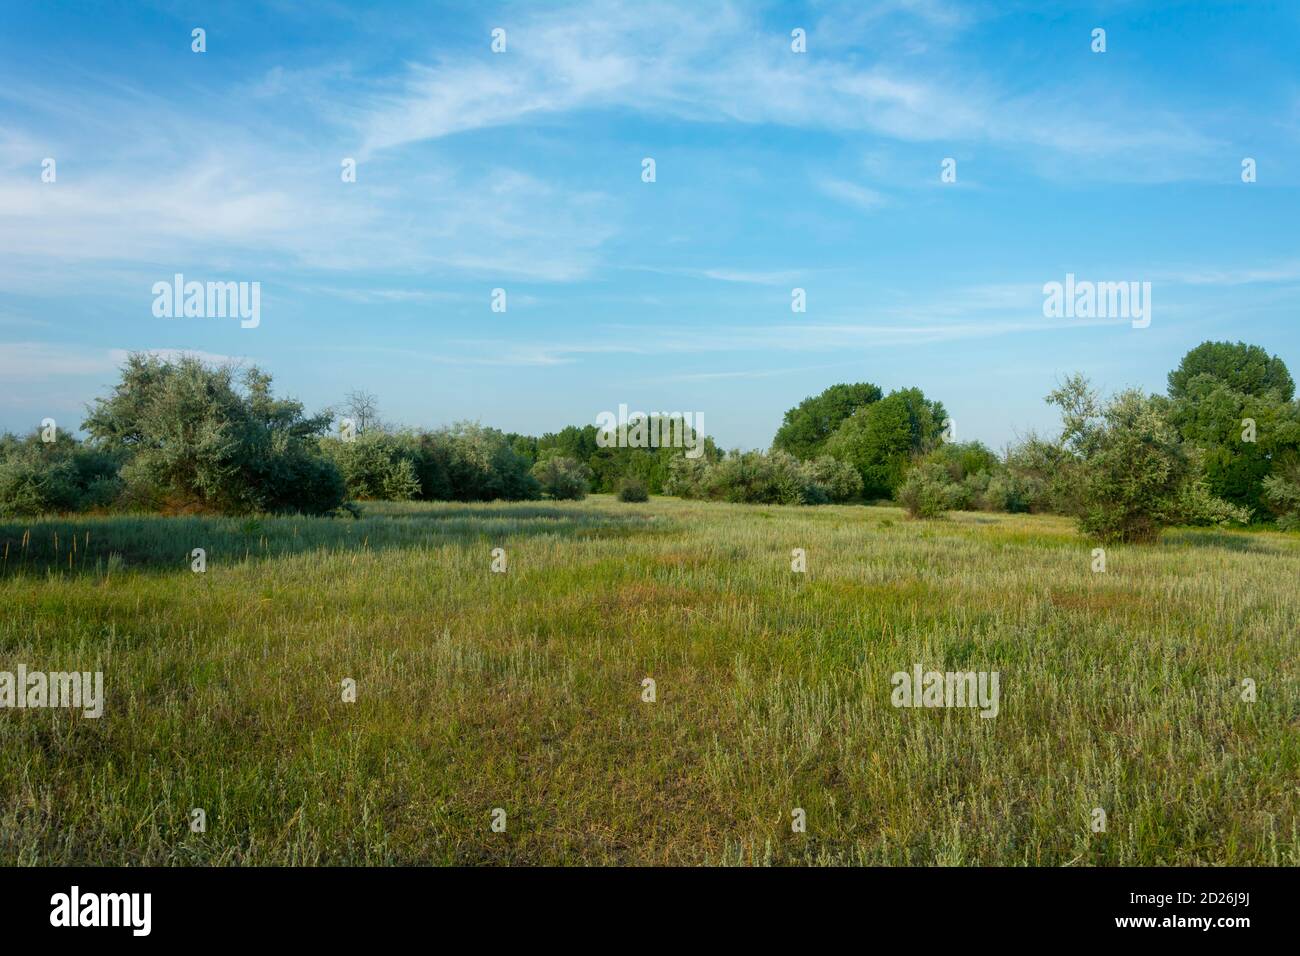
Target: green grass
[{"x": 523, "y": 690}]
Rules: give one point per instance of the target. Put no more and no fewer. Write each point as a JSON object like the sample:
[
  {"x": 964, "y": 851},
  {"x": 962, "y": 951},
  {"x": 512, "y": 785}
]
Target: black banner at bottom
[{"x": 1217, "y": 906}]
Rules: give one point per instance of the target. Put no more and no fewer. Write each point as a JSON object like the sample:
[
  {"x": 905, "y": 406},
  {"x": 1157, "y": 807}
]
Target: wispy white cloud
[
  {"x": 1287, "y": 271},
  {"x": 667, "y": 61},
  {"x": 863, "y": 197},
  {"x": 259, "y": 209},
  {"x": 266, "y": 200},
  {"x": 506, "y": 353},
  {"x": 42, "y": 361},
  {"x": 773, "y": 277},
  {"x": 754, "y": 373}
]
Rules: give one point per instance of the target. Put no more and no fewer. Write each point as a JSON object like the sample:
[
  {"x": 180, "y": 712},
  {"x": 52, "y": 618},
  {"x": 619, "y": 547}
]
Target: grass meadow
[{"x": 523, "y": 690}]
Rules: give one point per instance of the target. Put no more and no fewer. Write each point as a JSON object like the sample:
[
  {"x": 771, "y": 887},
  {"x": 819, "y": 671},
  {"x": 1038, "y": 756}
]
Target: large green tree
[
  {"x": 881, "y": 438},
  {"x": 1243, "y": 368},
  {"x": 806, "y": 428},
  {"x": 1235, "y": 403}
]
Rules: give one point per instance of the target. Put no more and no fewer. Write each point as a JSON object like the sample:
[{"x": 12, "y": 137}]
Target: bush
[
  {"x": 296, "y": 480},
  {"x": 841, "y": 480},
  {"x": 482, "y": 465},
  {"x": 563, "y": 478},
  {"x": 1005, "y": 491},
  {"x": 1041, "y": 476},
  {"x": 192, "y": 439},
  {"x": 686, "y": 477},
  {"x": 633, "y": 489},
  {"x": 928, "y": 491},
  {"x": 1282, "y": 493},
  {"x": 965, "y": 470},
  {"x": 757, "y": 478},
  {"x": 1135, "y": 474},
  {"x": 38, "y": 477},
  {"x": 376, "y": 465}
]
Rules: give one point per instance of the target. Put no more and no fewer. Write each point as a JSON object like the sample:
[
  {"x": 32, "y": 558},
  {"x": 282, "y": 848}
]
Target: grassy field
[{"x": 523, "y": 690}]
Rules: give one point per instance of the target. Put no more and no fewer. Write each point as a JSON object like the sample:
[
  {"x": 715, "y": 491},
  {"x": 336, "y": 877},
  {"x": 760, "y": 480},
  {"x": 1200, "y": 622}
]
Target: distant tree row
[
  {"x": 1223, "y": 445},
  {"x": 180, "y": 436}
]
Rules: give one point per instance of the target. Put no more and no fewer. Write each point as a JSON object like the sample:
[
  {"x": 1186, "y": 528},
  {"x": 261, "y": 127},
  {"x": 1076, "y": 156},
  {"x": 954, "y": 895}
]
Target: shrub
[
  {"x": 966, "y": 470},
  {"x": 686, "y": 477},
  {"x": 376, "y": 465},
  {"x": 840, "y": 479},
  {"x": 38, "y": 477},
  {"x": 1135, "y": 474},
  {"x": 296, "y": 480},
  {"x": 611, "y": 463},
  {"x": 928, "y": 491},
  {"x": 470, "y": 462},
  {"x": 633, "y": 489},
  {"x": 757, "y": 478},
  {"x": 1042, "y": 475},
  {"x": 1005, "y": 491},
  {"x": 1282, "y": 493},
  {"x": 190, "y": 437},
  {"x": 563, "y": 478}
]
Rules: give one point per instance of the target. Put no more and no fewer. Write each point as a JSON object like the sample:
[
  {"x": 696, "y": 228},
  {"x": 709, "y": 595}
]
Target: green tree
[
  {"x": 1243, "y": 368},
  {"x": 562, "y": 478},
  {"x": 1234, "y": 402},
  {"x": 806, "y": 428},
  {"x": 482, "y": 465},
  {"x": 1135, "y": 475},
  {"x": 193, "y": 437},
  {"x": 881, "y": 439}
]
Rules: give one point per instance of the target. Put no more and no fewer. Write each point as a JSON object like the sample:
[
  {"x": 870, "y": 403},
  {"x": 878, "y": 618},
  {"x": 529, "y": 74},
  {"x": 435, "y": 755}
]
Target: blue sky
[{"x": 522, "y": 171}]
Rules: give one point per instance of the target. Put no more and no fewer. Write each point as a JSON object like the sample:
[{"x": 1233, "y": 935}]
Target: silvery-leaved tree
[
  {"x": 1133, "y": 472},
  {"x": 197, "y": 436}
]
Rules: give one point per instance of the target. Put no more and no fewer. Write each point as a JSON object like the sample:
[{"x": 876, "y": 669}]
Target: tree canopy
[
  {"x": 880, "y": 439},
  {"x": 806, "y": 428},
  {"x": 1243, "y": 368}
]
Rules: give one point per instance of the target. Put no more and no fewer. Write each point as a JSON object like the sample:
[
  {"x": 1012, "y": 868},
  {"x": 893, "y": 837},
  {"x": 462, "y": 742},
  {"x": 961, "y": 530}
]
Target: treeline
[
  {"x": 469, "y": 462},
  {"x": 1223, "y": 445},
  {"x": 181, "y": 436}
]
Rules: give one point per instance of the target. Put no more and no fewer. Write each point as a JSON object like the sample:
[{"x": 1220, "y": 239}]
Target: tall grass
[{"x": 523, "y": 690}]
